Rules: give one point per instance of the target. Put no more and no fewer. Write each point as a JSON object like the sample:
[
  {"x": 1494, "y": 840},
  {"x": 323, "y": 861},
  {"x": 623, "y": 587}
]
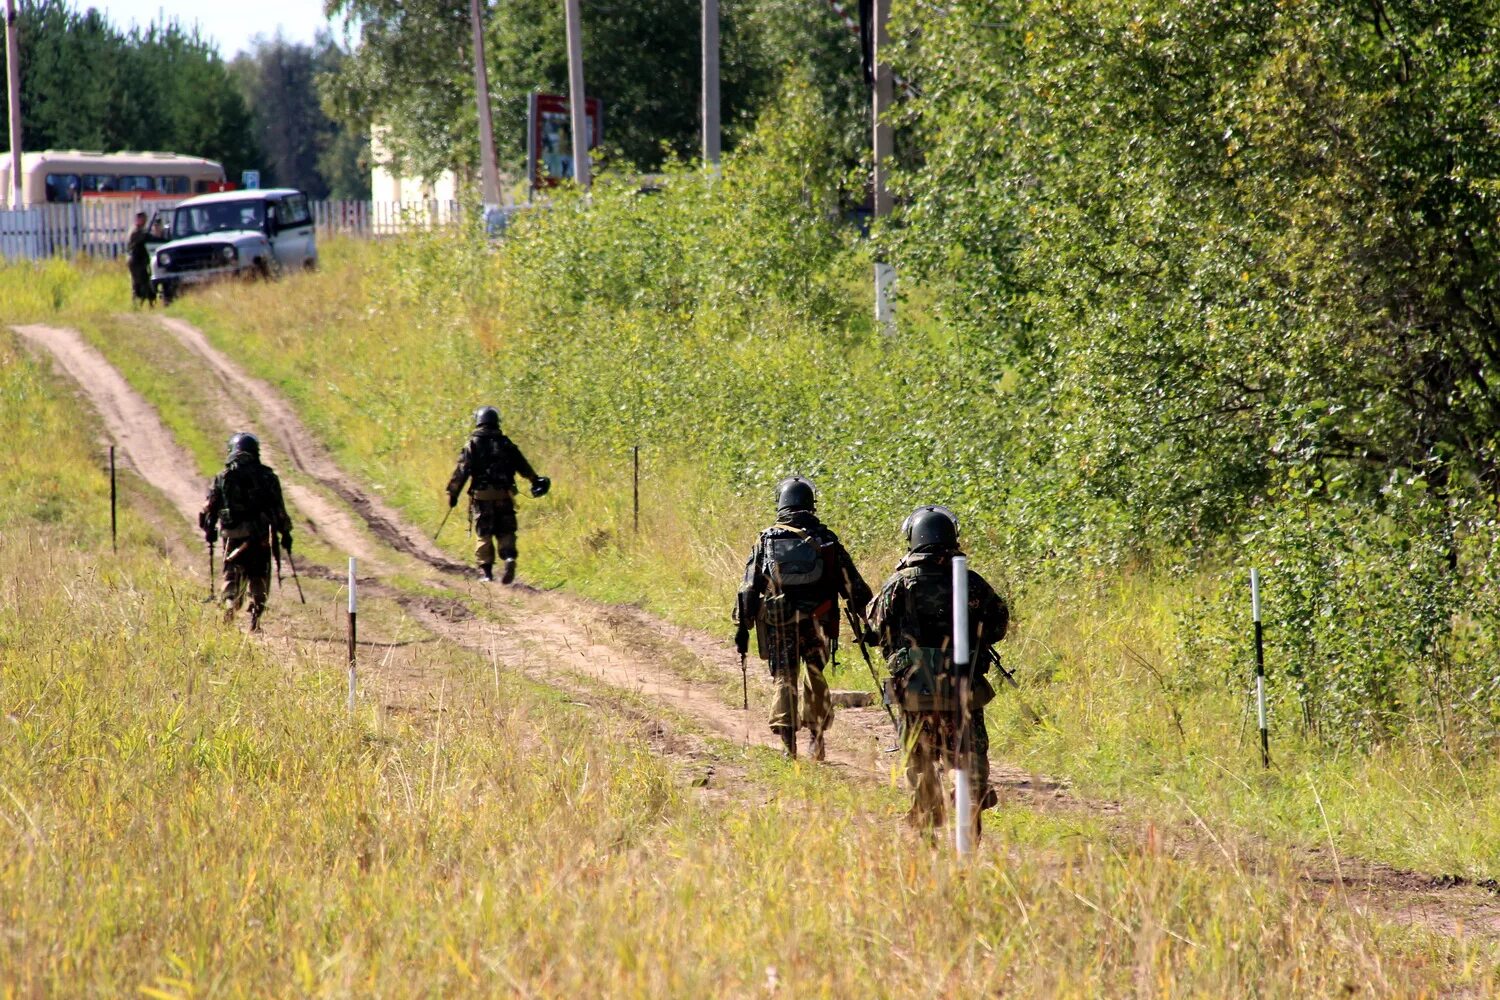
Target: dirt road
[{"x": 572, "y": 643}]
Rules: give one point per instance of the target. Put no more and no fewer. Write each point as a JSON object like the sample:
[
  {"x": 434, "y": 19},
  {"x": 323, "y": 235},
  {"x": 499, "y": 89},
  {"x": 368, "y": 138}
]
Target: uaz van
[{"x": 233, "y": 234}]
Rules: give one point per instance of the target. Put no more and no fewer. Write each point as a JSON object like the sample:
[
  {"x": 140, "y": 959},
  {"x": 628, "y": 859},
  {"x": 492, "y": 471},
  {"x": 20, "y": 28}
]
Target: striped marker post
[
  {"x": 962, "y": 801},
  {"x": 351, "y": 633},
  {"x": 114, "y": 542},
  {"x": 1260, "y": 670}
]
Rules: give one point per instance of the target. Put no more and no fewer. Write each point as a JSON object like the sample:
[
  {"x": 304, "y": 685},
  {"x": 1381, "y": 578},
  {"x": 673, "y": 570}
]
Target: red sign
[{"x": 549, "y": 142}]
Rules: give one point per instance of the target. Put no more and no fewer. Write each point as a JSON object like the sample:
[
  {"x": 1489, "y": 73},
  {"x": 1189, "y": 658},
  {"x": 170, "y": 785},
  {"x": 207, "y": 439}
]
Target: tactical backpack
[
  {"x": 794, "y": 565},
  {"x": 245, "y": 503},
  {"x": 924, "y": 677},
  {"x": 490, "y": 462}
]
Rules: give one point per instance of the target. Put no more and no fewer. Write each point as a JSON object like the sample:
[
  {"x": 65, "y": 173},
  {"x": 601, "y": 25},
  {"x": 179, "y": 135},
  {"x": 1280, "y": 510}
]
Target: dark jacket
[
  {"x": 245, "y": 500},
  {"x": 490, "y": 461},
  {"x": 840, "y": 576},
  {"x": 915, "y": 607}
]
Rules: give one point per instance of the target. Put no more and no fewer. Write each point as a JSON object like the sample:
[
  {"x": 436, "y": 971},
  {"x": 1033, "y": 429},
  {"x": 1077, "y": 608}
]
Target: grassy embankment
[
  {"x": 388, "y": 368},
  {"x": 191, "y": 812}
]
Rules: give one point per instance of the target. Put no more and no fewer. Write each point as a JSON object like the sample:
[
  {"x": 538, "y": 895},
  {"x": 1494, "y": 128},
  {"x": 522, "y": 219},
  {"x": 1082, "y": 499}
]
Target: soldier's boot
[
  {"x": 788, "y": 742},
  {"x": 487, "y": 572},
  {"x": 509, "y": 576},
  {"x": 818, "y": 750},
  {"x": 255, "y": 619}
]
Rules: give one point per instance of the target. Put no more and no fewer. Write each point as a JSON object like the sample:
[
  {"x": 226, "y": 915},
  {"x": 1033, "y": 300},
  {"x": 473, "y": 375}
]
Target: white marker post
[
  {"x": 962, "y": 803},
  {"x": 351, "y": 634},
  {"x": 1260, "y": 670}
]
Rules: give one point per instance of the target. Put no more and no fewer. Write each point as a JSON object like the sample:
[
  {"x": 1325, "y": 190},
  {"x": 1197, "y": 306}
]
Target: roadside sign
[
  {"x": 250, "y": 179},
  {"x": 549, "y": 136}
]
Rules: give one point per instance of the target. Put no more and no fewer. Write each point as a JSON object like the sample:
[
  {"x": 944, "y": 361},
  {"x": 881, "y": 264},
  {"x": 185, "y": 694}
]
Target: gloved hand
[
  {"x": 742, "y": 641},
  {"x": 870, "y": 637},
  {"x": 540, "y": 485},
  {"x": 286, "y": 542},
  {"x": 452, "y": 500}
]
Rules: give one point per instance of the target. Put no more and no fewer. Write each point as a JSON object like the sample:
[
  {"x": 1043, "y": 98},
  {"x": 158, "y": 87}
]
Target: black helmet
[
  {"x": 487, "y": 416},
  {"x": 243, "y": 442},
  {"x": 795, "y": 493},
  {"x": 930, "y": 527}
]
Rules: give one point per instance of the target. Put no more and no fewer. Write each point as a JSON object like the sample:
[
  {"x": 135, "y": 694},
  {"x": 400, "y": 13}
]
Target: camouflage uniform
[
  {"x": 913, "y": 617},
  {"x": 490, "y": 462},
  {"x": 245, "y": 506},
  {"x": 814, "y": 627}
]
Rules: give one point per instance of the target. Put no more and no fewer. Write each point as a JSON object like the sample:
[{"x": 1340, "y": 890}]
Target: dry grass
[{"x": 192, "y": 813}]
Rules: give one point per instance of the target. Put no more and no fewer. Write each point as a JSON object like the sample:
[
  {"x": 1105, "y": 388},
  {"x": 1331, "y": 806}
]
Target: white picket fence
[{"x": 100, "y": 228}]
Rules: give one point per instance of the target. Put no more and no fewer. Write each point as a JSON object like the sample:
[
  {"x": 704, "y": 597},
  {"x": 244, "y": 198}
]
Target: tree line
[{"x": 88, "y": 84}]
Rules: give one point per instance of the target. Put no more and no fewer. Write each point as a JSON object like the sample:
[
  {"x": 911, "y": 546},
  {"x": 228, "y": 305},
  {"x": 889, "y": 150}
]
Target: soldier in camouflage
[
  {"x": 490, "y": 462},
  {"x": 245, "y": 508},
  {"x": 793, "y": 580},
  {"x": 941, "y": 705}
]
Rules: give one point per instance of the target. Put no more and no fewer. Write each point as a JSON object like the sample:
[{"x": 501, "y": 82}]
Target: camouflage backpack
[
  {"x": 795, "y": 566},
  {"x": 246, "y": 504},
  {"x": 924, "y": 677},
  {"x": 491, "y": 464}
]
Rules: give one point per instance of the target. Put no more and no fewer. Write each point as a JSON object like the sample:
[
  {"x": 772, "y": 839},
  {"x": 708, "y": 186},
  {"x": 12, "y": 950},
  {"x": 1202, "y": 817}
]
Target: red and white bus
[{"x": 71, "y": 176}]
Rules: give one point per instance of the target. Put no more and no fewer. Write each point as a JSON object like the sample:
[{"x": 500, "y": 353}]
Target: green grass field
[{"x": 193, "y": 813}]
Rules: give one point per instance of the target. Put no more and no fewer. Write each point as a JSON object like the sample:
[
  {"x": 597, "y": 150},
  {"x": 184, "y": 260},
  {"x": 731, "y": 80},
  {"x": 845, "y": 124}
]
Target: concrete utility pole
[
  {"x": 576, "y": 100},
  {"x": 13, "y": 81},
  {"x": 885, "y": 274},
  {"x": 711, "y": 82},
  {"x": 489, "y": 174}
]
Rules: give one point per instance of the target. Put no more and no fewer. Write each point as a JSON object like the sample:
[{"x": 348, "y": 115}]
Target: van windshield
[{"x": 218, "y": 217}]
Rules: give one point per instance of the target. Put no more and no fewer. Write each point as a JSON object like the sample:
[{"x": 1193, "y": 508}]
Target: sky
[{"x": 231, "y": 24}]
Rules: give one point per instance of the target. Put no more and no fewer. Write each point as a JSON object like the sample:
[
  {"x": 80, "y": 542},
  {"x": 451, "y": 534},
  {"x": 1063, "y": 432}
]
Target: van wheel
[{"x": 262, "y": 270}]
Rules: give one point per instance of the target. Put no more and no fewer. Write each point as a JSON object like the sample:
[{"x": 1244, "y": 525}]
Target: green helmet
[
  {"x": 244, "y": 442},
  {"x": 930, "y": 526},
  {"x": 487, "y": 416},
  {"x": 796, "y": 493}
]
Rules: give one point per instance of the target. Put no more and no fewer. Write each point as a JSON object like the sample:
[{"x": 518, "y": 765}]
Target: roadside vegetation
[
  {"x": 724, "y": 328},
  {"x": 192, "y": 812}
]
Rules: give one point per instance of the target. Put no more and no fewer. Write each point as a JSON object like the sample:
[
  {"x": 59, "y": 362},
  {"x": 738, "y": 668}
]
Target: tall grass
[
  {"x": 189, "y": 812},
  {"x": 1135, "y": 710}
]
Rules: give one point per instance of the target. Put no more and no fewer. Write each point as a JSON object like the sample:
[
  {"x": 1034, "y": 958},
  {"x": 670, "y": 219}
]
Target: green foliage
[
  {"x": 85, "y": 84},
  {"x": 411, "y": 73},
  {"x": 1235, "y": 254},
  {"x": 301, "y": 146}
]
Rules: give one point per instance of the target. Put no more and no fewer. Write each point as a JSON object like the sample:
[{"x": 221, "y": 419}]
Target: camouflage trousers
[
  {"x": 249, "y": 570},
  {"x": 494, "y": 523},
  {"x": 805, "y": 646},
  {"x": 936, "y": 743}
]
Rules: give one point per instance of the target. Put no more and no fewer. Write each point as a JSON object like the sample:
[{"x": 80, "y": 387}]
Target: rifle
[
  {"x": 293, "y": 563},
  {"x": 744, "y": 682},
  {"x": 276, "y": 555},
  {"x": 441, "y": 523},
  {"x": 859, "y": 637},
  {"x": 212, "y": 594},
  {"x": 1010, "y": 678}
]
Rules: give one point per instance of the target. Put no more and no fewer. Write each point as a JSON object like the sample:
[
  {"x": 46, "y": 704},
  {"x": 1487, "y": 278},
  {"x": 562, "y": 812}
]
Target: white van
[{"x": 233, "y": 234}]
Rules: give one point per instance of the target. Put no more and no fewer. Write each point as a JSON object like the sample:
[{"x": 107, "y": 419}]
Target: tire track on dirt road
[
  {"x": 575, "y": 645},
  {"x": 306, "y": 452},
  {"x": 143, "y": 440},
  {"x": 556, "y": 619}
]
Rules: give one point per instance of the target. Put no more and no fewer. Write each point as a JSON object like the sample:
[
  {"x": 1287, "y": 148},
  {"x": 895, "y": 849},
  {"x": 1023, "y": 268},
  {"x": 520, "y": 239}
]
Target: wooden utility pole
[
  {"x": 489, "y": 174},
  {"x": 13, "y": 84},
  {"x": 884, "y": 143},
  {"x": 885, "y": 274},
  {"x": 711, "y": 82},
  {"x": 576, "y": 101}
]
